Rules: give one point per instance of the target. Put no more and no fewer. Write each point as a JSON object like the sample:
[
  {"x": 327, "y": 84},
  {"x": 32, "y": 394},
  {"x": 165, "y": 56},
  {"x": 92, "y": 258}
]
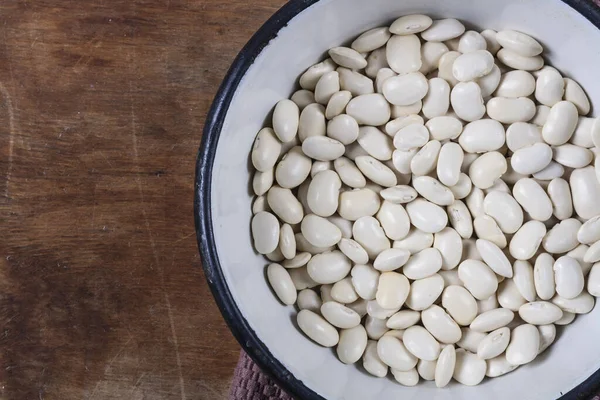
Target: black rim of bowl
[{"x": 203, "y": 217}]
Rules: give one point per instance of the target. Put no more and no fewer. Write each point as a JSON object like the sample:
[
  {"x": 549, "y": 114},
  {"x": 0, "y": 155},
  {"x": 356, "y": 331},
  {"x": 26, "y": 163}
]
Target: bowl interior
[{"x": 571, "y": 45}]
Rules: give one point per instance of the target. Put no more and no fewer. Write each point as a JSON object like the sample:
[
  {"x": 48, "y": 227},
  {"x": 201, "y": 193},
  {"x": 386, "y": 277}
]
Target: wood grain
[{"x": 102, "y": 104}]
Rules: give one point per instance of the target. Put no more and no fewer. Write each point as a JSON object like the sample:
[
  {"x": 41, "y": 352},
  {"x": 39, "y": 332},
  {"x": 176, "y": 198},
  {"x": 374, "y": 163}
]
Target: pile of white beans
[{"x": 428, "y": 201}]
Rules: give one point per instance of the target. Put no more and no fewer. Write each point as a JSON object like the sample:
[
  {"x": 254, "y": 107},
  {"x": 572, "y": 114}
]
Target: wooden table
[{"x": 102, "y": 105}]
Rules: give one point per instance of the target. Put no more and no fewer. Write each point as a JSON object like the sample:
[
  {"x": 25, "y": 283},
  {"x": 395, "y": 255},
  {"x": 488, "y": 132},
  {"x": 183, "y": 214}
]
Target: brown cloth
[{"x": 250, "y": 383}]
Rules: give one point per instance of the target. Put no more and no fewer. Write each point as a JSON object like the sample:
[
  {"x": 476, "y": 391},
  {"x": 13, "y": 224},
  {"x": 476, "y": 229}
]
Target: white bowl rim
[{"x": 237, "y": 323}]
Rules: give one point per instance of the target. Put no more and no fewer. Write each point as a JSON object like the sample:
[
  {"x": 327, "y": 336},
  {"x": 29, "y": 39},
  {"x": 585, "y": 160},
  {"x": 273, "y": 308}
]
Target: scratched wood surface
[{"x": 102, "y": 104}]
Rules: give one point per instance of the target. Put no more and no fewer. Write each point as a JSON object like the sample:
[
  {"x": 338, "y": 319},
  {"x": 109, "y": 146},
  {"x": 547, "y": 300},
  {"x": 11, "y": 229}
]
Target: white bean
[
  {"x": 358, "y": 203},
  {"x": 405, "y": 89},
  {"x": 427, "y": 216},
  {"x": 352, "y": 344},
  {"x": 478, "y": 278},
  {"x": 576, "y": 95},
  {"x": 393, "y": 353},
  {"x": 424, "y": 162},
  {"x": 441, "y": 325},
  {"x": 524, "y": 345},
  {"x": 492, "y": 320},
  {"x": 460, "y": 219},
  {"x": 509, "y": 110},
  {"x": 403, "y": 53},
  {"x": 482, "y": 136},
  {"x": 523, "y": 279},
  {"x": 343, "y": 128},
  {"x": 486, "y": 169},
  {"x": 531, "y": 159},
  {"x": 585, "y": 192},
  {"x": 376, "y": 171},
  {"x": 533, "y": 199},
  {"x": 473, "y": 65},
  {"x": 424, "y": 292},
  {"x": 442, "y": 30},
  {"x": 526, "y": 241},
  {"x": 516, "y": 84},
  {"x": 316, "y": 328},
  {"x": 423, "y": 264},
  {"x": 522, "y": 134},
  {"x": 494, "y": 344},
  {"x": 543, "y": 275},
  {"x": 540, "y": 313},
  {"x": 561, "y": 123},
  {"x": 421, "y": 343},
  {"x": 514, "y": 60},
  {"x": 444, "y": 368},
  {"x": 369, "y": 109},
  {"x": 371, "y": 39},
  {"x": 467, "y": 101},
  {"x": 394, "y": 220},
  {"x": 469, "y": 369},
  {"x": 437, "y": 100}
]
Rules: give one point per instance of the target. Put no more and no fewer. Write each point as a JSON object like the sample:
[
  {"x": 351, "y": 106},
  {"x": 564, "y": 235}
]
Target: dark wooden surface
[{"x": 102, "y": 104}]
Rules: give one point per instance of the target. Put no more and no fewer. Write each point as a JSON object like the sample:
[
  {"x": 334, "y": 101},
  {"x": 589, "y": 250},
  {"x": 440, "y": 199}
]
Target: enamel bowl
[{"x": 266, "y": 71}]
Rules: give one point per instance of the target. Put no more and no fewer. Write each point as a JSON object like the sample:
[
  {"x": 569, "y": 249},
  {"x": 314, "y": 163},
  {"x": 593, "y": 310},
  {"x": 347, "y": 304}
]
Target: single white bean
[
  {"x": 441, "y": 325},
  {"x": 405, "y": 89},
  {"x": 509, "y": 110},
  {"x": 358, "y": 203},
  {"x": 347, "y": 57},
  {"x": 482, "y": 136},
  {"x": 352, "y": 344},
  {"x": 540, "y": 313},
  {"x": 394, "y": 220},
  {"x": 524, "y": 345},
  {"x": 415, "y": 241},
  {"x": 394, "y": 354},
  {"x": 343, "y": 128},
  {"x": 473, "y": 65},
  {"x": 444, "y": 368},
  {"x": 543, "y": 275},
  {"x": 424, "y": 292},
  {"x": 403, "y": 53},
  {"x": 442, "y": 30},
  {"x": 421, "y": 343},
  {"x": 486, "y": 169},
  {"x": 478, "y": 278},
  {"x": 460, "y": 219},
  {"x": 410, "y": 24},
  {"x": 516, "y": 84},
  {"x": 494, "y": 344},
  {"x": 424, "y": 162},
  {"x": 532, "y": 197},
  {"x": 561, "y": 123},
  {"x": 576, "y": 95},
  {"x": 437, "y": 100},
  {"x": 492, "y": 320},
  {"x": 467, "y": 101},
  {"x": 469, "y": 369},
  {"x": 517, "y": 61},
  {"x": 523, "y": 279},
  {"x": 369, "y": 109},
  {"x": 309, "y": 79},
  {"x": 368, "y": 232},
  {"x": 526, "y": 241},
  {"x": 585, "y": 191},
  {"x": 549, "y": 87},
  {"x": 509, "y": 296},
  {"x": 427, "y": 216},
  {"x": 376, "y": 143},
  {"x": 423, "y": 264}
]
